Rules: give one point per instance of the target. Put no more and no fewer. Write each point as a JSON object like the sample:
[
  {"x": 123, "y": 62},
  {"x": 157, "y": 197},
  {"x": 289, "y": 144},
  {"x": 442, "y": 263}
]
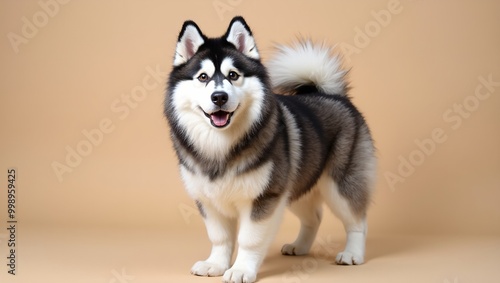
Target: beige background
[{"x": 123, "y": 206}]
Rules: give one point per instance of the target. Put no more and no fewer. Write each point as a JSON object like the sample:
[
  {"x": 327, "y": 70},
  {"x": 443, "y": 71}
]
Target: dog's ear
[
  {"x": 190, "y": 39},
  {"x": 240, "y": 35}
]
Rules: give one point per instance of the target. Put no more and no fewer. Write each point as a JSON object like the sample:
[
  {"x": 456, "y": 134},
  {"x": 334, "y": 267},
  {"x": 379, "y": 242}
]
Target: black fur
[{"x": 330, "y": 133}]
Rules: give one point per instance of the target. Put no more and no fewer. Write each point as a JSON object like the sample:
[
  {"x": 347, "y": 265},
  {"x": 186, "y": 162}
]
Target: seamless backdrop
[{"x": 82, "y": 87}]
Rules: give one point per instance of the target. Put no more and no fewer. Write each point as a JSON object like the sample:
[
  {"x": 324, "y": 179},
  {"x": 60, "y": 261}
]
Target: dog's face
[{"x": 217, "y": 81}]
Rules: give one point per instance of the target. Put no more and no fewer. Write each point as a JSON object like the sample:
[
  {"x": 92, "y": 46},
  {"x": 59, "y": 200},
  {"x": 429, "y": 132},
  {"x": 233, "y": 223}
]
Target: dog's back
[{"x": 246, "y": 153}]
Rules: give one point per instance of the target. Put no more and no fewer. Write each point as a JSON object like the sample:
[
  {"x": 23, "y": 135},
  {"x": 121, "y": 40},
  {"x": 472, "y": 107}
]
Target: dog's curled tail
[{"x": 304, "y": 64}]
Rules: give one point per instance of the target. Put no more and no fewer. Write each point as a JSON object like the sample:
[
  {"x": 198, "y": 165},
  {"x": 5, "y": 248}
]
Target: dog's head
[{"x": 217, "y": 82}]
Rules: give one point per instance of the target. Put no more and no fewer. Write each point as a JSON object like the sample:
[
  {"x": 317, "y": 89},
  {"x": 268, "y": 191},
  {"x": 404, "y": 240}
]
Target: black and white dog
[{"x": 246, "y": 153}]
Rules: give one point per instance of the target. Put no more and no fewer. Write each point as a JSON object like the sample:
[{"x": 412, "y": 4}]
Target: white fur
[
  {"x": 201, "y": 96},
  {"x": 355, "y": 227},
  {"x": 208, "y": 67},
  {"x": 226, "y": 201},
  {"x": 187, "y": 46},
  {"x": 254, "y": 238},
  {"x": 242, "y": 40},
  {"x": 309, "y": 210},
  {"x": 221, "y": 232},
  {"x": 229, "y": 198},
  {"x": 227, "y": 193},
  {"x": 305, "y": 63},
  {"x": 245, "y": 98},
  {"x": 294, "y": 141}
]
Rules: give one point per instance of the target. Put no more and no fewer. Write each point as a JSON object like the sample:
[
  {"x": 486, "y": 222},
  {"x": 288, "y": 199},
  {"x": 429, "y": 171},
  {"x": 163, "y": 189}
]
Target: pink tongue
[{"x": 220, "y": 118}]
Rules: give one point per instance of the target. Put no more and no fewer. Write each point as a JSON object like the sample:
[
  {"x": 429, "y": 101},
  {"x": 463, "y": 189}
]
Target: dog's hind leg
[
  {"x": 354, "y": 224},
  {"x": 354, "y": 251},
  {"x": 309, "y": 210}
]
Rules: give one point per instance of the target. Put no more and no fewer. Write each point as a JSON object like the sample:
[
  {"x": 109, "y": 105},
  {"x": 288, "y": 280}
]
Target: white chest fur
[{"x": 228, "y": 191}]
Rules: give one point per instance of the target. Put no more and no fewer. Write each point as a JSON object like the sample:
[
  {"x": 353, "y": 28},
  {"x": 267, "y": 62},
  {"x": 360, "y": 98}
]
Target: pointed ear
[
  {"x": 240, "y": 35},
  {"x": 190, "y": 39}
]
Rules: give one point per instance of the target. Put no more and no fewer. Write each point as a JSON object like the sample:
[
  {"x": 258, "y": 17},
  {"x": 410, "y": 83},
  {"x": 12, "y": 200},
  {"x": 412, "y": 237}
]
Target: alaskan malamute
[{"x": 246, "y": 153}]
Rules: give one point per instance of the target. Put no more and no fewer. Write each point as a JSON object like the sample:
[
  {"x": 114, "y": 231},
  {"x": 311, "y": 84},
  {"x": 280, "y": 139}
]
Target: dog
[{"x": 246, "y": 153}]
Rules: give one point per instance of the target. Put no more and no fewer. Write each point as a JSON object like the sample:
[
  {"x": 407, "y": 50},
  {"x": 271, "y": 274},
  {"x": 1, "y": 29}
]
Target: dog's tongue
[{"x": 220, "y": 118}]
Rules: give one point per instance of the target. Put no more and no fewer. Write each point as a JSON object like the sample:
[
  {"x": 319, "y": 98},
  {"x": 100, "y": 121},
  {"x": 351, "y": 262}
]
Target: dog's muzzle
[{"x": 220, "y": 118}]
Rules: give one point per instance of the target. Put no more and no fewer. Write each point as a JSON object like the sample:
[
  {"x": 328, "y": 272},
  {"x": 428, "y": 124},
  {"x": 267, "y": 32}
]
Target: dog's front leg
[
  {"x": 221, "y": 231},
  {"x": 254, "y": 238}
]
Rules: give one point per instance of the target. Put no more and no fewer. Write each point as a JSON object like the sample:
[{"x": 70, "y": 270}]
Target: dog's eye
[
  {"x": 233, "y": 76},
  {"x": 203, "y": 77}
]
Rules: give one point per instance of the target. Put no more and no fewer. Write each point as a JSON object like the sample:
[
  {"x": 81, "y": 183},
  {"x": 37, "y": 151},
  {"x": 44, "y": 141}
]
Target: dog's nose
[{"x": 219, "y": 98}]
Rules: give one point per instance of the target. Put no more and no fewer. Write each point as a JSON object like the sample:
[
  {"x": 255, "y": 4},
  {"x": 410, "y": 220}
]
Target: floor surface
[{"x": 46, "y": 254}]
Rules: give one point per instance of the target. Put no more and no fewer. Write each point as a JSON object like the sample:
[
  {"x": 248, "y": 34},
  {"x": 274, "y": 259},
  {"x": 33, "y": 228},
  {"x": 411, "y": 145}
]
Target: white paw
[
  {"x": 290, "y": 249},
  {"x": 234, "y": 275},
  {"x": 348, "y": 258},
  {"x": 204, "y": 268}
]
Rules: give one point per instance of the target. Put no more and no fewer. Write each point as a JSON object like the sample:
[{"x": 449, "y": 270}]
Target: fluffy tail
[{"x": 304, "y": 65}]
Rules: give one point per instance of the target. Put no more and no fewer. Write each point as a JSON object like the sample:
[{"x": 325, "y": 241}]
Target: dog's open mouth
[{"x": 219, "y": 119}]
